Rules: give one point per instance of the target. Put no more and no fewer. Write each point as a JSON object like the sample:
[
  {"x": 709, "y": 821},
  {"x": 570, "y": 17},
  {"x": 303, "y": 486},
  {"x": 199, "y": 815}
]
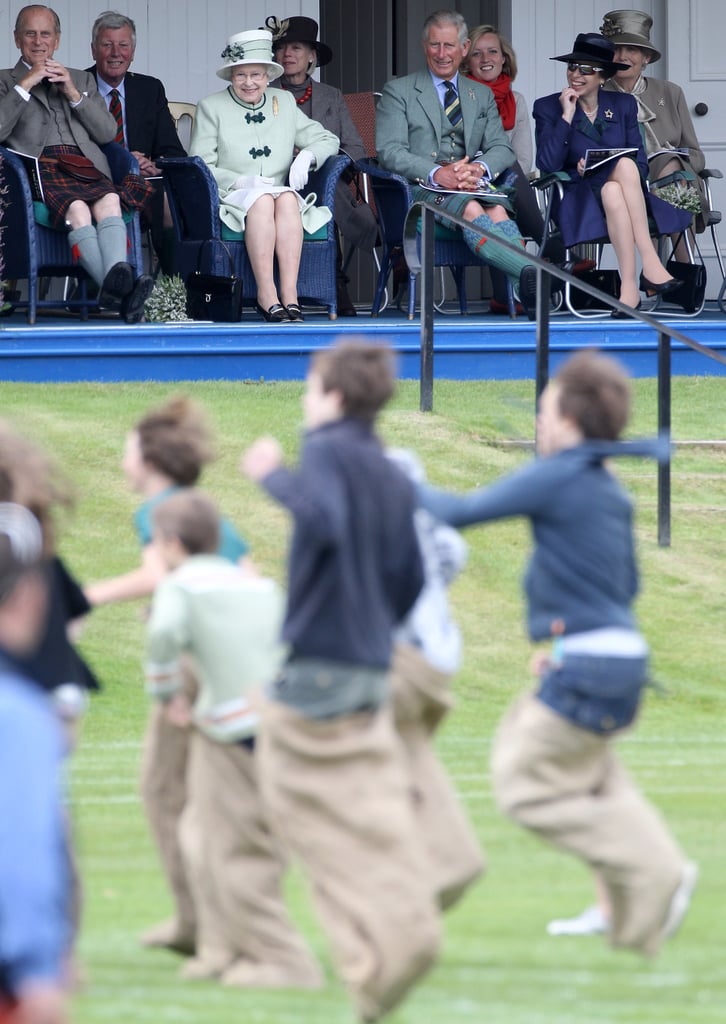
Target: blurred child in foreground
[
  {"x": 166, "y": 450},
  {"x": 330, "y": 767},
  {"x": 554, "y": 767},
  {"x": 35, "y": 879},
  {"x": 228, "y": 623}
]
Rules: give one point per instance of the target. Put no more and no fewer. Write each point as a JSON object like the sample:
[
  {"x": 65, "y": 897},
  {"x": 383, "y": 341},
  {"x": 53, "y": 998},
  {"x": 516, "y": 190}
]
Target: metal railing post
[
  {"x": 664, "y": 431},
  {"x": 426, "y": 398},
  {"x": 542, "y": 338}
]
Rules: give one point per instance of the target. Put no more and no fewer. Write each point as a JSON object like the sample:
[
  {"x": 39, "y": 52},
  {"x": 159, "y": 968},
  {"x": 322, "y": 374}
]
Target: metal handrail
[{"x": 418, "y": 247}]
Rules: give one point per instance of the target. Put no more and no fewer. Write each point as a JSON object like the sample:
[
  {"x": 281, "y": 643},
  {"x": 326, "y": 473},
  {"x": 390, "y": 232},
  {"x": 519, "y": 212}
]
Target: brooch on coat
[
  {"x": 258, "y": 118},
  {"x": 254, "y": 153},
  {"x": 609, "y": 115},
  {"x": 471, "y": 94},
  {"x": 275, "y": 106}
]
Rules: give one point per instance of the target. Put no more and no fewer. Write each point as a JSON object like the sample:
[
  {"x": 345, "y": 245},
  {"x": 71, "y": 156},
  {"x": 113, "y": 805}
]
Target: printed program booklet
[
  {"x": 32, "y": 169},
  {"x": 486, "y": 191},
  {"x": 680, "y": 151},
  {"x": 595, "y": 158}
]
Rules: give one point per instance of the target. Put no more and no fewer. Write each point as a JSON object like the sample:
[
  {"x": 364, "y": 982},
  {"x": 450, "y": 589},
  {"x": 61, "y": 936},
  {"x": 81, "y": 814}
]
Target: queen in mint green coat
[{"x": 249, "y": 139}]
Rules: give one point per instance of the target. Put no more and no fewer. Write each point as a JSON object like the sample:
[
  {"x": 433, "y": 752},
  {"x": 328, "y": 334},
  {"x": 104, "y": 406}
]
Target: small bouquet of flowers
[{"x": 685, "y": 197}]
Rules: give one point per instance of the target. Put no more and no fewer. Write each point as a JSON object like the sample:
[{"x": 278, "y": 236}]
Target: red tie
[{"x": 115, "y": 108}]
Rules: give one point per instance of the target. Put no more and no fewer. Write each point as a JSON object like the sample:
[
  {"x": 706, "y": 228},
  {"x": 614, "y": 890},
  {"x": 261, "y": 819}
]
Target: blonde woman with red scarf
[{"x": 491, "y": 61}]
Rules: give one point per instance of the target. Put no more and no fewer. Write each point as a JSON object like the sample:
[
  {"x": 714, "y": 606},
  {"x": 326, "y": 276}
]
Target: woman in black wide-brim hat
[
  {"x": 612, "y": 201},
  {"x": 297, "y": 48}
]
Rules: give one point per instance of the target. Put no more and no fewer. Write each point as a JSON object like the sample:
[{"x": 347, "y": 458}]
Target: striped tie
[
  {"x": 115, "y": 108},
  {"x": 452, "y": 106}
]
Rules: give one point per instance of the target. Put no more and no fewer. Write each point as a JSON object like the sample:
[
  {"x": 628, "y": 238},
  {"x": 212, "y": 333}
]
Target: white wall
[
  {"x": 541, "y": 30},
  {"x": 178, "y": 41}
]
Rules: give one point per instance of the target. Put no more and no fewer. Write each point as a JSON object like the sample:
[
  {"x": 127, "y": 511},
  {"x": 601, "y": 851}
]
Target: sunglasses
[{"x": 584, "y": 69}]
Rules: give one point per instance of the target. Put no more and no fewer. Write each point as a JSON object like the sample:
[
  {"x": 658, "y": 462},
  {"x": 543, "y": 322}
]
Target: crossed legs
[{"x": 627, "y": 222}]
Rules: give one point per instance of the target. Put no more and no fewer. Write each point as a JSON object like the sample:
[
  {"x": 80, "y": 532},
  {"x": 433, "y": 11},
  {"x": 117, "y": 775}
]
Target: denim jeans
[{"x": 596, "y": 692}]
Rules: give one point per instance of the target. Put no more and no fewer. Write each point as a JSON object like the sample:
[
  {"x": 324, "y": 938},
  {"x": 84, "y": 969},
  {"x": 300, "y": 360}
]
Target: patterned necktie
[
  {"x": 115, "y": 108},
  {"x": 452, "y": 106}
]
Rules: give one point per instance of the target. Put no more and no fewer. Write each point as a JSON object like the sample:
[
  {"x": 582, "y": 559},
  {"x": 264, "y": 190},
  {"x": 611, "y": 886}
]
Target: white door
[{"x": 695, "y": 58}]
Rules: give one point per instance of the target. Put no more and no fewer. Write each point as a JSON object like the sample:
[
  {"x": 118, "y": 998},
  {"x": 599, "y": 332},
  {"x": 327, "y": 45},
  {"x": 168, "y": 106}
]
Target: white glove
[{"x": 299, "y": 169}]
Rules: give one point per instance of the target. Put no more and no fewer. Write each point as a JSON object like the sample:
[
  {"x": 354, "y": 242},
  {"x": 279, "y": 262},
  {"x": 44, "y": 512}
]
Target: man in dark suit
[
  {"x": 442, "y": 131},
  {"x": 139, "y": 104}
]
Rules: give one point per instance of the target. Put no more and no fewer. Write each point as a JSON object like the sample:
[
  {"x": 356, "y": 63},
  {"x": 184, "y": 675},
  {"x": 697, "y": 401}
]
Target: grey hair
[
  {"x": 37, "y": 7},
  {"x": 112, "y": 20},
  {"x": 446, "y": 18}
]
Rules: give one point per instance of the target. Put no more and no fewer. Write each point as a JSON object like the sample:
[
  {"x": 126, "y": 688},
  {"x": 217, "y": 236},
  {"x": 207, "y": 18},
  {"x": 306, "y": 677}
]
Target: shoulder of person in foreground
[{"x": 34, "y": 883}]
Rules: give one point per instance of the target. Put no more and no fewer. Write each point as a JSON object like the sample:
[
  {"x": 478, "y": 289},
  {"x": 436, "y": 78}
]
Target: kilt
[{"x": 61, "y": 188}]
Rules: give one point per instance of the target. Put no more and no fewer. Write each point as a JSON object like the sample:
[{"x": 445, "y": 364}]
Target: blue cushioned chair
[
  {"x": 194, "y": 204},
  {"x": 393, "y": 197},
  {"x": 34, "y": 250}
]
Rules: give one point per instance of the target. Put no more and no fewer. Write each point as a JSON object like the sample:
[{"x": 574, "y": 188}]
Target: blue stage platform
[{"x": 466, "y": 348}]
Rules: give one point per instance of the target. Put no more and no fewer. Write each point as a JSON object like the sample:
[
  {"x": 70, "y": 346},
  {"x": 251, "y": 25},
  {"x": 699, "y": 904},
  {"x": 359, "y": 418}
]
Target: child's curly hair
[{"x": 176, "y": 440}]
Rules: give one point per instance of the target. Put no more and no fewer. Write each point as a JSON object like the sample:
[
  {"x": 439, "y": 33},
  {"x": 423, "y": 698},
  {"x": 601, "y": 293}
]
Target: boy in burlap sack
[
  {"x": 167, "y": 449},
  {"x": 227, "y": 623},
  {"x": 426, "y": 654},
  {"x": 554, "y": 766},
  {"x": 330, "y": 763}
]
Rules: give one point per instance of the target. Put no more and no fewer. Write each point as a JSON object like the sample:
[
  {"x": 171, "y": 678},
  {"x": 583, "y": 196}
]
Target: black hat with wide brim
[
  {"x": 299, "y": 30},
  {"x": 592, "y": 48}
]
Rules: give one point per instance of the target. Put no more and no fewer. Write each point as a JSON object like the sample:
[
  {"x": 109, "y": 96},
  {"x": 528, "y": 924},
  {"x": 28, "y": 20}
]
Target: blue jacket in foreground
[
  {"x": 355, "y": 568},
  {"x": 34, "y": 882},
  {"x": 582, "y": 572}
]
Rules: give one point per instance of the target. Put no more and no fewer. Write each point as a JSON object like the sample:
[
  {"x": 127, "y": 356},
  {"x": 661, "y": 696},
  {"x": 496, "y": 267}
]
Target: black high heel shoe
[
  {"x": 618, "y": 314},
  {"x": 657, "y": 289},
  {"x": 276, "y": 314}
]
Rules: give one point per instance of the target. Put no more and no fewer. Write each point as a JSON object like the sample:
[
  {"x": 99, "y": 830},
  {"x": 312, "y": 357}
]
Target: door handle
[{"x": 701, "y": 109}]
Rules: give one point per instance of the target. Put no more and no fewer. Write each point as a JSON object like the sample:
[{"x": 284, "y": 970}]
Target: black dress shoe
[
  {"x": 618, "y": 314},
  {"x": 117, "y": 284},
  {"x": 528, "y": 291},
  {"x": 294, "y": 313},
  {"x": 658, "y": 289},
  {"x": 132, "y": 307},
  {"x": 276, "y": 314}
]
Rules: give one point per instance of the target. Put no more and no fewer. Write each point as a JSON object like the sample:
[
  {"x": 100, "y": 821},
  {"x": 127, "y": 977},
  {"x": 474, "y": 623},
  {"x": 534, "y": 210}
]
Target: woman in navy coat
[{"x": 612, "y": 201}]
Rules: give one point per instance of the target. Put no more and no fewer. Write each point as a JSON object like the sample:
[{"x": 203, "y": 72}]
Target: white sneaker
[
  {"x": 590, "y": 922},
  {"x": 681, "y": 899}
]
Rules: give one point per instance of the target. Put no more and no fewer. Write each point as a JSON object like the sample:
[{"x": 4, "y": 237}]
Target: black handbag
[
  {"x": 692, "y": 290},
  {"x": 607, "y": 281},
  {"x": 213, "y": 297}
]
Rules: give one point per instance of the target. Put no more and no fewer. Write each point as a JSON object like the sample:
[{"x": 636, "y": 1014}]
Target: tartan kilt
[{"x": 61, "y": 188}]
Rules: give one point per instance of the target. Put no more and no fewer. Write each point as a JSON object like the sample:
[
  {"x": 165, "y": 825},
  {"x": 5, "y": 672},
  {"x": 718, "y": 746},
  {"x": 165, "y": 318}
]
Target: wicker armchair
[
  {"x": 33, "y": 250},
  {"x": 194, "y": 204}
]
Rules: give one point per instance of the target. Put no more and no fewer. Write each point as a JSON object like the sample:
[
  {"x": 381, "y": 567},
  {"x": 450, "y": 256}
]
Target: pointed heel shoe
[
  {"x": 657, "y": 289},
  {"x": 618, "y": 314},
  {"x": 276, "y": 314}
]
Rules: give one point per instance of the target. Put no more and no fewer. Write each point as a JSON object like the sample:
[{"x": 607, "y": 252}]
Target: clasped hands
[
  {"x": 52, "y": 71},
  {"x": 461, "y": 175}
]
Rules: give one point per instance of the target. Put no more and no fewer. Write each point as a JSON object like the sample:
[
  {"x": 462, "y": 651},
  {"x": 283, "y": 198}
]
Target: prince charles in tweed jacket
[{"x": 409, "y": 136}]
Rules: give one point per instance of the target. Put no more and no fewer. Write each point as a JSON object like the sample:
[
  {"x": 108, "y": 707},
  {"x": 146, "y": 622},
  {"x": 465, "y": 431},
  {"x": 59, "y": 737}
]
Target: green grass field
[{"x": 497, "y": 966}]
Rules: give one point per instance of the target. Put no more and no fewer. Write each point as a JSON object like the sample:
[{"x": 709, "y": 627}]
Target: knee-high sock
[
  {"x": 112, "y": 241},
  {"x": 489, "y": 250},
  {"x": 84, "y": 243}
]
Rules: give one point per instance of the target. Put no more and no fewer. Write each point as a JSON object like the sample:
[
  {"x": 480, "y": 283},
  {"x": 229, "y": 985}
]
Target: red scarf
[{"x": 506, "y": 103}]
